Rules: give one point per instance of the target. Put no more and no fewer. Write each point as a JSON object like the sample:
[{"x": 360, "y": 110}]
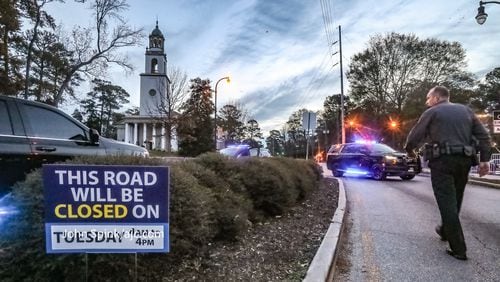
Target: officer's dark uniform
[{"x": 450, "y": 130}]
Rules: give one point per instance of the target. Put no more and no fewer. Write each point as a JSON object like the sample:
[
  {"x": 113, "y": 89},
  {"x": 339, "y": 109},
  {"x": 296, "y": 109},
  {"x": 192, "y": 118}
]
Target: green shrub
[
  {"x": 191, "y": 227},
  {"x": 266, "y": 186},
  {"x": 304, "y": 174},
  {"x": 191, "y": 213},
  {"x": 230, "y": 209},
  {"x": 23, "y": 244},
  {"x": 226, "y": 168},
  {"x": 211, "y": 198}
]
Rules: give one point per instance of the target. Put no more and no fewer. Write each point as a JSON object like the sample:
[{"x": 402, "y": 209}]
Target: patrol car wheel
[
  {"x": 377, "y": 173},
  {"x": 407, "y": 176},
  {"x": 336, "y": 172}
]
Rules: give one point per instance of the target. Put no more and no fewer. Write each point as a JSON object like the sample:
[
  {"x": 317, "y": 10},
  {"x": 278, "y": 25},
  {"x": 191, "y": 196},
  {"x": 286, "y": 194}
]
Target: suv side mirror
[{"x": 94, "y": 136}]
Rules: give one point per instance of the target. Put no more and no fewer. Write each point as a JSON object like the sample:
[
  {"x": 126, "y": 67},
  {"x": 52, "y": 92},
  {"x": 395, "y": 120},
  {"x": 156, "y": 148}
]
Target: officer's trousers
[{"x": 449, "y": 175}]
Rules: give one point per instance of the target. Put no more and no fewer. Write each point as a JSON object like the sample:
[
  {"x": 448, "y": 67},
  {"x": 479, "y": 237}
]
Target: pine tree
[{"x": 196, "y": 128}]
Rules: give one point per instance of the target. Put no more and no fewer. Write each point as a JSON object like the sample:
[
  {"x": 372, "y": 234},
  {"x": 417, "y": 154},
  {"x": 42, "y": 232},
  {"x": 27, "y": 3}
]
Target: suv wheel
[
  {"x": 336, "y": 172},
  {"x": 377, "y": 173},
  {"x": 407, "y": 176}
]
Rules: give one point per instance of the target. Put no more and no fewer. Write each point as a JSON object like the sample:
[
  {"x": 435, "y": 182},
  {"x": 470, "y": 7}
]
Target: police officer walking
[{"x": 452, "y": 133}]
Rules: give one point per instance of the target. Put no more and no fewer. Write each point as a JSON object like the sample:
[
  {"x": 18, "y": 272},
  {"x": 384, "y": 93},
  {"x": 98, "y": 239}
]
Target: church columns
[
  {"x": 127, "y": 137},
  {"x": 153, "y": 136},
  {"x": 163, "y": 137},
  {"x": 136, "y": 133},
  {"x": 144, "y": 133}
]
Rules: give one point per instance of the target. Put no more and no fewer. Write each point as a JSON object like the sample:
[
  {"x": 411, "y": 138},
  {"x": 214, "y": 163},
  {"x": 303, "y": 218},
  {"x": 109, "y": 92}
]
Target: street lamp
[
  {"x": 393, "y": 126},
  {"x": 215, "y": 108},
  {"x": 481, "y": 14},
  {"x": 351, "y": 124}
]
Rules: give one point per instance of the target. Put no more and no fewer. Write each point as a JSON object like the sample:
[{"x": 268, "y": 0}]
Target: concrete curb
[{"x": 323, "y": 263}]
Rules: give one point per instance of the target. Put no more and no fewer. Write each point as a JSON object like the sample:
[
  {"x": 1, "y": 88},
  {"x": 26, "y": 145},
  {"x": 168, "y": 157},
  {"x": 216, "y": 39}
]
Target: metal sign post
[{"x": 309, "y": 124}]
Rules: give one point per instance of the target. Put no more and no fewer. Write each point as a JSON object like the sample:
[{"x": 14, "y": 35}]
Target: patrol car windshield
[{"x": 380, "y": 148}]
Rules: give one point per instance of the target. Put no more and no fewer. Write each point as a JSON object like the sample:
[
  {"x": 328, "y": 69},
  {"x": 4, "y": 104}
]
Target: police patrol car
[{"x": 371, "y": 159}]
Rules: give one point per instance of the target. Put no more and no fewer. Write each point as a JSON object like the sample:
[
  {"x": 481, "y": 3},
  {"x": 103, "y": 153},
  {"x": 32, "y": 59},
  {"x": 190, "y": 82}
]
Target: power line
[{"x": 321, "y": 73}]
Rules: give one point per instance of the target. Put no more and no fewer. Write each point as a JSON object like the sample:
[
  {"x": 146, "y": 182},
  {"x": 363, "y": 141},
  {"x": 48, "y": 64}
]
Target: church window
[{"x": 154, "y": 66}]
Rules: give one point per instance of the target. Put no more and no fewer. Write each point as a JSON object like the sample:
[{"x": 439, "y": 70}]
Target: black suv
[
  {"x": 33, "y": 133},
  {"x": 371, "y": 159}
]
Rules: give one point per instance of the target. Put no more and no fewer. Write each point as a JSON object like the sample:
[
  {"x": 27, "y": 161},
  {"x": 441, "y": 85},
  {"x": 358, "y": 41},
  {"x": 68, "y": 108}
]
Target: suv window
[
  {"x": 46, "y": 123},
  {"x": 334, "y": 148},
  {"x": 5, "y": 124},
  {"x": 356, "y": 148}
]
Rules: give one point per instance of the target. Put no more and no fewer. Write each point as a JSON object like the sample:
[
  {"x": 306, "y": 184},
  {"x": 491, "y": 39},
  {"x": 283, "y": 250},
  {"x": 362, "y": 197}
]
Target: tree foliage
[
  {"x": 383, "y": 76},
  {"x": 230, "y": 119},
  {"x": 49, "y": 62},
  {"x": 252, "y": 134},
  {"x": 275, "y": 142},
  {"x": 489, "y": 97},
  {"x": 331, "y": 114},
  {"x": 295, "y": 135},
  {"x": 196, "y": 129},
  {"x": 11, "y": 78},
  {"x": 101, "y": 105},
  {"x": 40, "y": 19},
  {"x": 44, "y": 64},
  {"x": 390, "y": 79},
  {"x": 490, "y": 91}
]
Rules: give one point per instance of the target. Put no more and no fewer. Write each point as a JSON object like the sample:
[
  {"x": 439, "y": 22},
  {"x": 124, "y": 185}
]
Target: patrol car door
[
  {"x": 351, "y": 155},
  {"x": 365, "y": 161}
]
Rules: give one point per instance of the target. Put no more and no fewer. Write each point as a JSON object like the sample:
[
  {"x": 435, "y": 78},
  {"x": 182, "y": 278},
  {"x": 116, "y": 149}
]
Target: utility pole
[{"x": 341, "y": 88}]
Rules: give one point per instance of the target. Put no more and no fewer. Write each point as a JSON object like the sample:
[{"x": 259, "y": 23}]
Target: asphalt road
[{"x": 390, "y": 236}]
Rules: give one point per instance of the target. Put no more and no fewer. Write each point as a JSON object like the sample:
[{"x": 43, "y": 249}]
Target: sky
[{"x": 277, "y": 52}]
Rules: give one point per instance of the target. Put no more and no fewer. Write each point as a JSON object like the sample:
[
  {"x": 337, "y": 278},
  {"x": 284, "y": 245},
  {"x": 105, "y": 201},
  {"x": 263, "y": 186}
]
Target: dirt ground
[{"x": 277, "y": 250}]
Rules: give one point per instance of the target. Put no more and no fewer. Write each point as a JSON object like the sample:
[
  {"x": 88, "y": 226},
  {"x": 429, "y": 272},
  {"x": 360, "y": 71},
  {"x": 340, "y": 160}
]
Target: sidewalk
[{"x": 490, "y": 180}]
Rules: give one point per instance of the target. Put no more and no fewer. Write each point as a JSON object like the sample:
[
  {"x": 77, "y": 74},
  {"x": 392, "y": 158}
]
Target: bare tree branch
[{"x": 93, "y": 51}]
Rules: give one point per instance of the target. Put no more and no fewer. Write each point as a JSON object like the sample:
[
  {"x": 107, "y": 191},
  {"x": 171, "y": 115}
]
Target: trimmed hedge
[{"x": 212, "y": 198}]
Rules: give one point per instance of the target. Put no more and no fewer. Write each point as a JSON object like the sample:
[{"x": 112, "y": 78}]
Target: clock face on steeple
[{"x": 152, "y": 92}]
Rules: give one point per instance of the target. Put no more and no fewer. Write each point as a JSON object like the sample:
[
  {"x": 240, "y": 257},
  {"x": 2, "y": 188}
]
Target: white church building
[{"x": 148, "y": 128}]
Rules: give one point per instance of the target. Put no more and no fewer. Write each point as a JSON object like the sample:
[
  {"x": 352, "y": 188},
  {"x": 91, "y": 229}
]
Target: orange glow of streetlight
[
  {"x": 393, "y": 124},
  {"x": 352, "y": 123},
  {"x": 393, "y": 127}
]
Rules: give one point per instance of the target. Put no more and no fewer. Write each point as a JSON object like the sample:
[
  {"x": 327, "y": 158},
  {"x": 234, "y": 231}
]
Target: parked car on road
[
  {"x": 371, "y": 159},
  {"x": 33, "y": 133},
  {"x": 260, "y": 152},
  {"x": 243, "y": 150},
  {"x": 236, "y": 151}
]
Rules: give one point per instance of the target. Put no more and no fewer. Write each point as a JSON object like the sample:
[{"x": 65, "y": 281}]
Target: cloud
[{"x": 276, "y": 51}]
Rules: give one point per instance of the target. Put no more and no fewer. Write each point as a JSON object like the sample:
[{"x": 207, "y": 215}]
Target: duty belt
[
  {"x": 453, "y": 150},
  {"x": 435, "y": 150}
]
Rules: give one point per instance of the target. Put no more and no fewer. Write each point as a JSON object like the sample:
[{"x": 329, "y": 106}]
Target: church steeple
[
  {"x": 154, "y": 81},
  {"x": 156, "y": 39}
]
